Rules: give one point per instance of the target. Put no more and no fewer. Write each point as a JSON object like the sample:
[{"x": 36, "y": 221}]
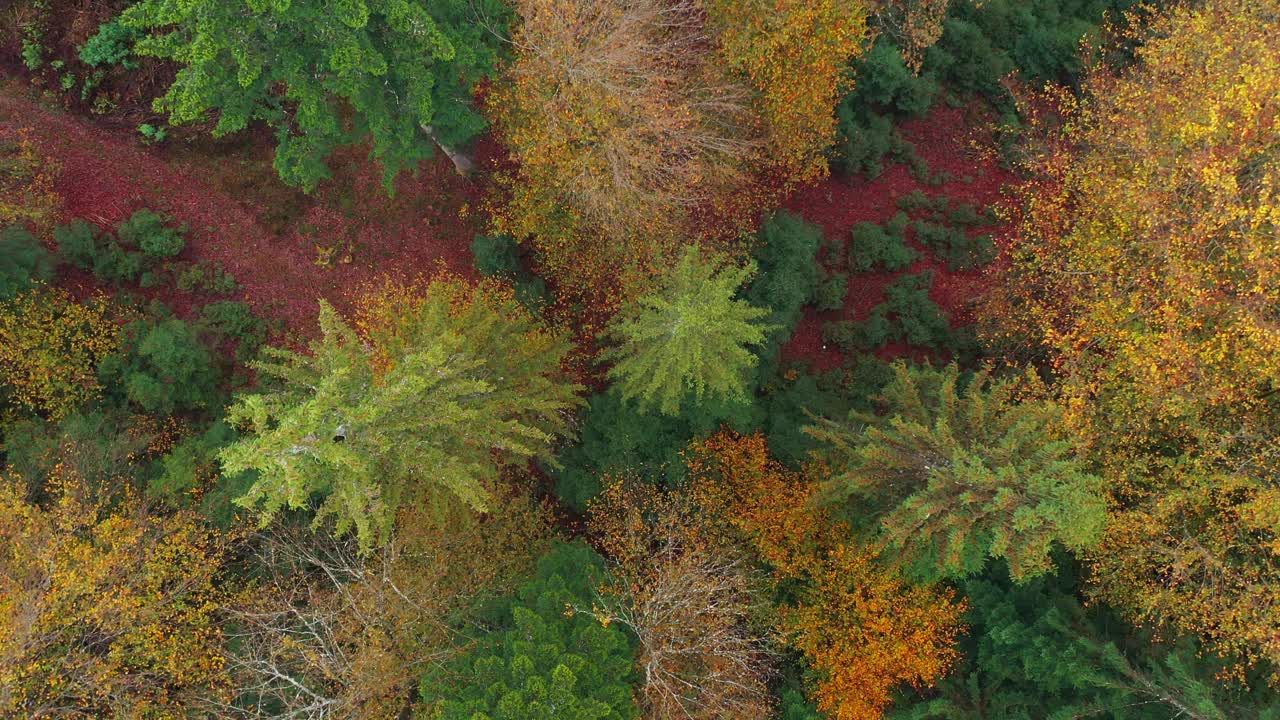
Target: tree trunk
[{"x": 461, "y": 161}]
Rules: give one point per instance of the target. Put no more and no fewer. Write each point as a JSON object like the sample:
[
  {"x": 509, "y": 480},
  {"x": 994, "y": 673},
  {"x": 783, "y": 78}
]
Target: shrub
[
  {"x": 916, "y": 319},
  {"x": 918, "y": 200},
  {"x": 111, "y": 45},
  {"x": 885, "y": 83},
  {"x": 233, "y": 320},
  {"x": 162, "y": 368},
  {"x": 873, "y": 247},
  {"x": 906, "y": 315},
  {"x": 617, "y": 437},
  {"x": 189, "y": 467},
  {"x": 955, "y": 246},
  {"x": 496, "y": 256},
  {"x": 787, "y": 272},
  {"x": 23, "y": 261},
  {"x": 499, "y": 256},
  {"x": 832, "y": 291},
  {"x": 114, "y": 264},
  {"x": 203, "y": 277},
  {"x": 886, "y": 90},
  {"x": 148, "y": 232},
  {"x": 864, "y": 141},
  {"x": 76, "y": 244}
]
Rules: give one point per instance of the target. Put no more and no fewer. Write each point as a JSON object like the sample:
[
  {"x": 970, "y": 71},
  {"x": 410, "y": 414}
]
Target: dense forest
[{"x": 640, "y": 359}]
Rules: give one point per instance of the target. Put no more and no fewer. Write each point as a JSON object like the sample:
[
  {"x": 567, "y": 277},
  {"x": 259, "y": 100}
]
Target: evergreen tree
[
  {"x": 400, "y": 66},
  {"x": 966, "y": 474},
  {"x": 691, "y": 336},
  {"x": 24, "y": 261},
  {"x": 552, "y": 662},
  {"x": 1034, "y": 652},
  {"x": 422, "y": 405}
]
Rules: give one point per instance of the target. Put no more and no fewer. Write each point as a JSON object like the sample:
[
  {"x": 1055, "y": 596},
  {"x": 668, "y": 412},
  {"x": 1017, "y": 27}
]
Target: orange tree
[
  {"x": 864, "y": 630},
  {"x": 1148, "y": 265},
  {"x": 50, "y": 346},
  {"x": 105, "y": 609}
]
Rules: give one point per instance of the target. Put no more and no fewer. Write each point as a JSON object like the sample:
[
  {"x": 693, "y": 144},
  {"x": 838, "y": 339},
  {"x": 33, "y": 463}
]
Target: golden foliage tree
[
  {"x": 1149, "y": 264},
  {"x": 105, "y": 609},
  {"x": 795, "y": 54},
  {"x": 50, "y": 346},
  {"x": 864, "y": 630},
  {"x": 619, "y": 124}
]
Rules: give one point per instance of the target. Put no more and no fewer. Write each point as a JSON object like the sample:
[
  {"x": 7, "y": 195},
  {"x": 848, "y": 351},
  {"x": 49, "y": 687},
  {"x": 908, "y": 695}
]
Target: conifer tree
[
  {"x": 691, "y": 336},
  {"x": 421, "y": 402},
  {"x": 966, "y": 474},
  {"x": 402, "y": 67},
  {"x": 551, "y": 661},
  {"x": 1035, "y": 652}
]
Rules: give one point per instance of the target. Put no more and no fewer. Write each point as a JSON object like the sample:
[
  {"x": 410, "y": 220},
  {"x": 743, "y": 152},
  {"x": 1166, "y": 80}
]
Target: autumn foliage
[
  {"x": 864, "y": 630},
  {"x": 105, "y": 609},
  {"x": 50, "y": 346},
  {"x": 1148, "y": 266},
  {"x": 795, "y": 54}
]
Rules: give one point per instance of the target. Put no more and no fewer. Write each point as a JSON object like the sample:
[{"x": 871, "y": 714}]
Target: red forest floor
[
  {"x": 266, "y": 235},
  {"x": 948, "y": 143},
  {"x": 272, "y": 238}
]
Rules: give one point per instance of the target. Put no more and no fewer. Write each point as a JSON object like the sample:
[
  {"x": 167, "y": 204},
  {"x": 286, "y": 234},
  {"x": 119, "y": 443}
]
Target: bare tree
[
  {"x": 694, "y": 602},
  {"x": 331, "y": 633}
]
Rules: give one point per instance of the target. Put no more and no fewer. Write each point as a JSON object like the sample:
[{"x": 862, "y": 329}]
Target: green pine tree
[
  {"x": 424, "y": 411},
  {"x": 552, "y": 662},
  {"x": 963, "y": 475},
  {"x": 397, "y": 66},
  {"x": 1034, "y": 653},
  {"x": 691, "y": 336}
]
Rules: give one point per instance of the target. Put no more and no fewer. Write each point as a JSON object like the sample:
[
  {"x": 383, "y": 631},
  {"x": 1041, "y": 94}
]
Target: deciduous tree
[
  {"x": 331, "y": 632},
  {"x": 105, "y": 609},
  {"x": 693, "y": 600},
  {"x": 621, "y": 122},
  {"x": 1147, "y": 261},
  {"x": 795, "y": 54},
  {"x": 863, "y": 629},
  {"x": 403, "y": 69},
  {"x": 50, "y": 346}
]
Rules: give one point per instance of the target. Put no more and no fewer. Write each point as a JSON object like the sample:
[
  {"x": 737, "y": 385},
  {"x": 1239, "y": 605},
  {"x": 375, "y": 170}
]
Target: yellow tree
[
  {"x": 1149, "y": 262},
  {"x": 50, "y": 346},
  {"x": 106, "y": 610},
  {"x": 619, "y": 125}
]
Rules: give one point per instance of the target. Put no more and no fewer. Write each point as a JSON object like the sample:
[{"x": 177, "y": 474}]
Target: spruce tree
[
  {"x": 422, "y": 405},
  {"x": 551, "y": 660},
  {"x": 690, "y": 337},
  {"x": 1035, "y": 652},
  {"x": 960, "y": 475}
]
